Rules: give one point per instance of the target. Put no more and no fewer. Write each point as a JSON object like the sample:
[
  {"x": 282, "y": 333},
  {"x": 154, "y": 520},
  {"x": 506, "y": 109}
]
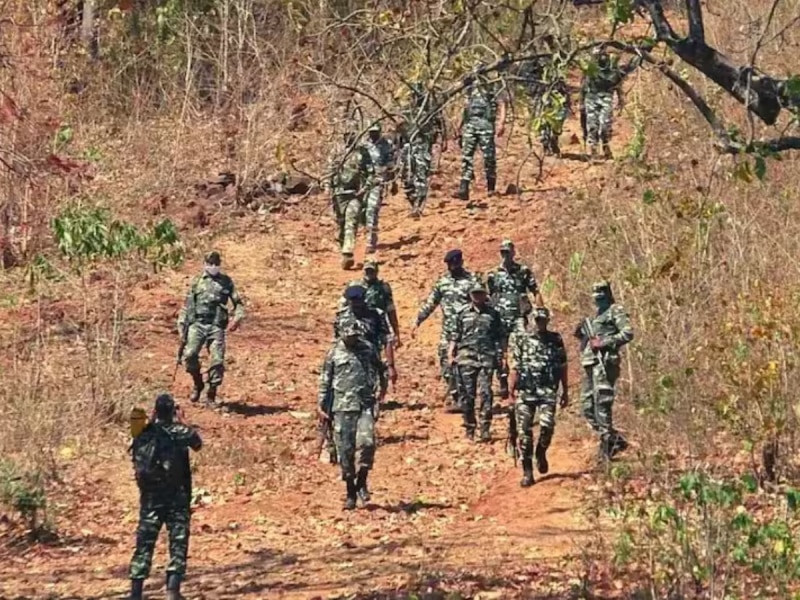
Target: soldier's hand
[
  {"x": 501, "y": 129},
  {"x": 235, "y": 325},
  {"x": 414, "y": 331},
  {"x": 397, "y": 343},
  {"x": 596, "y": 343},
  {"x": 376, "y": 410},
  {"x": 394, "y": 189},
  {"x": 564, "y": 399},
  {"x": 179, "y": 418},
  {"x": 393, "y": 375}
]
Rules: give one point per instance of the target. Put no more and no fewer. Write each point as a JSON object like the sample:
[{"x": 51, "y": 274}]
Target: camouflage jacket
[
  {"x": 604, "y": 79},
  {"x": 540, "y": 360},
  {"x": 207, "y": 301},
  {"x": 183, "y": 437},
  {"x": 382, "y": 154},
  {"x": 613, "y": 327},
  {"x": 453, "y": 295},
  {"x": 481, "y": 103},
  {"x": 479, "y": 336},
  {"x": 509, "y": 289},
  {"x": 379, "y": 295},
  {"x": 421, "y": 125},
  {"x": 350, "y": 375},
  {"x": 350, "y": 173},
  {"x": 376, "y": 327}
]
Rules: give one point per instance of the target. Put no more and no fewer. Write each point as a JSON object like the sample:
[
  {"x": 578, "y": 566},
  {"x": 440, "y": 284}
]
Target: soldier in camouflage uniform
[
  {"x": 602, "y": 79},
  {"x": 540, "y": 365},
  {"x": 550, "y": 100},
  {"x": 350, "y": 373},
  {"x": 509, "y": 285},
  {"x": 204, "y": 321},
  {"x": 602, "y": 336},
  {"x": 378, "y": 295},
  {"x": 382, "y": 154},
  {"x": 477, "y": 348},
  {"x": 165, "y": 504},
  {"x": 377, "y": 330},
  {"x": 483, "y": 117},
  {"x": 352, "y": 175},
  {"x": 451, "y": 290},
  {"x": 422, "y": 127}
]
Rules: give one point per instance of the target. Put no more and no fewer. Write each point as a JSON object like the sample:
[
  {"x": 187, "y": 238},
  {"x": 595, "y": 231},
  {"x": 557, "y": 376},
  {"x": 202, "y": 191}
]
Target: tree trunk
[{"x": 88, "y": 31}]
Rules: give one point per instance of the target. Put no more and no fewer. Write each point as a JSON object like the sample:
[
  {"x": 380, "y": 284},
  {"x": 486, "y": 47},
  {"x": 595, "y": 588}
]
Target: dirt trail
[{"x": 273, "y": 526}]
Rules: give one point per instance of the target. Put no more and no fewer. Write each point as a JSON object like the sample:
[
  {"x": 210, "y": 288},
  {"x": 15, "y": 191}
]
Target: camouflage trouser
[
  {"x": 444, "y": 364},
  {"x": 374, "y": 203},
  {"x": 526, "y": 409},
  {"x": 213, "y": 338},
  {"x": 599, "y": 108},
  {"x": 154, "y": 512},
  {"x": 354, "y": 431},
  {"x": 417, "y": 157},
  {"x": 512, "y": 326},
  {"x": 476, "y": 380},
  {"x": 348, "y": 212},
  {"x": 478, "y": 133},
  {"x": 597, "y": 395}
]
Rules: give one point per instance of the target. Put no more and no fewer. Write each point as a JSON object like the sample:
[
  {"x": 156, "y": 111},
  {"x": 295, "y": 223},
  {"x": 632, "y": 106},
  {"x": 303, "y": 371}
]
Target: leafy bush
[{"x": 23, "y": 492}]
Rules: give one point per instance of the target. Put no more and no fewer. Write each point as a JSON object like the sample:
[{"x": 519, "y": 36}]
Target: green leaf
[
  {"x": 649, "y": 197},
  {"x": 760, "y": 167}
]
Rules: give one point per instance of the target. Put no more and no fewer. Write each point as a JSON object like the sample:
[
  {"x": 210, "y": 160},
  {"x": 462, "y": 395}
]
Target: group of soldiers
[{"x": 360, "y": 172}]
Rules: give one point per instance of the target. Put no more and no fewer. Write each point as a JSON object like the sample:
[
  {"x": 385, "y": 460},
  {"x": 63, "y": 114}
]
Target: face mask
[
  {"x": 212, "y": 270},
  {"x": 602, "y": 303},
  {"x": 374, "y": 136},
  {"x": 455, "y": 269},
  {"x": 350, "y": 341}
]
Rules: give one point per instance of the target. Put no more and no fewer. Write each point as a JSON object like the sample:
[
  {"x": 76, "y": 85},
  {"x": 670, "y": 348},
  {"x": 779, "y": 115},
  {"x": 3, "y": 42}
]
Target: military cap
[
  {"x": 601, "y": 288},
  {"x": 355, "y": 292},
  {"x": 165, "y": 404},
  {"x": 213, "y": 258},
  {"x": 376, "y": 126},
  {"x": 506, "y": 245},
  {"x": 453, "y": 255},
  {"x": 371, "y": 264},
  {"x": 477, "y": 287},
  {"x": 540, "y": 312}
]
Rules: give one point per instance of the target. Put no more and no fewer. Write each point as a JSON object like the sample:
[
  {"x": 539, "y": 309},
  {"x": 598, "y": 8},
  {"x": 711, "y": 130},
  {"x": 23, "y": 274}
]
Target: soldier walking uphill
[
  {"x": 352, "y": 176},
  {"x": 477, "y": 348},
  {"x": 550, "y": 100},
  {"x": 540, "y": 365},
  {"x": 451, "y": 291},
  {"x": 203, "y": 321},
  {"x": 483, "y": 117},
  {"x": 161, "y": 462},
  {"x": 350, "y": 378},
  {"x": 378, "y": 295},
  {"x": 382, "y": 154},
  {"x": 602, "y": 336},
  {"x": 509, "y": 285},
  {"x": 602, "y": 79},
  {"x": 422, "y": 127}
]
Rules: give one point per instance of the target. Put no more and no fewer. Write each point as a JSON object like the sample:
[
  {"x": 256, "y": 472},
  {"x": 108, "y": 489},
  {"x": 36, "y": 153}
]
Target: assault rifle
[{"x": 325, "y": 429}]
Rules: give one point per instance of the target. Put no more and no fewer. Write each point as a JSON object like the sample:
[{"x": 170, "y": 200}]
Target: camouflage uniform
[
  {"x": 378, "y": 295},
  {"x": 509, "y": 291},
  {"x": 478, "y": 130},
  {"x": 352, "y": 176},
  {"x": 539, "y": 359},
  {"x": 550, "y": 102},
  {"x": 479, "y": 342},
  {"x": 351, "y": 376},
  {"x": 166, "y": 506},
  {"x": 382, "y": 154},
  {"x": 206, "y": 312},
  {"x": 453, "y": 295},
  {"x": 420, "y": 131},
  {"x": 601, "y": 368}
]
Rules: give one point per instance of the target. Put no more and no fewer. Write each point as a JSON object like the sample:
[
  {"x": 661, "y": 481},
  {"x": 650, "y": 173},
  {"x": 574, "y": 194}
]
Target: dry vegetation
[{"x": 700, "y": 240}]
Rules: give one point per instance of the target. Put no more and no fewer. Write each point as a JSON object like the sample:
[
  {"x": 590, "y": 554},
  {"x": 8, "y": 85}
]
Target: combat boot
[
  {"x": 350, "y": 502},
  {"x": 347, "y": 262},
  {"x": 618, "y": 445},
  {"x": 211, "y": 396},
  {"x": 607, "y": 151},
  {"x": 137, "y": 589},
  {"x": 491, "y": 184},
  {"x": 486, "y": 436},
  {"x": 361, "y": 485},
  {"x": 173, "y": 586},
  {"x": 527, "y": 473},
  {"x": 592, "y": 151},
  {"x": 471, "y": 434},
  {"x": 197, "y": 379},
  {"x": 604, "y": 453},
  {"x": 541, "y": 459},
  {"x": 463, "y": 191}
]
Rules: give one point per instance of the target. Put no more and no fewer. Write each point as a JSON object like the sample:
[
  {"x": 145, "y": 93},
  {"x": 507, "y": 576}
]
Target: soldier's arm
[
  {"x": 500, "y": 338},
  {"x": 238, "y": 304},
  {"x": 533, "y": 286},
  {"x": 325, "y": 382},
  {"x": 391, "y": 310},
  {"x": 430, "y": 304},
  {"x": 490, "y": 284},
  {"x": 501, "y": 112},
  {"x": 561, "y": 356},
  {"x": 624, "y": 330},
  {"x": 453, "y": 338},
  {"x": 369, "y": 169},
  {"x": 186, "y": 437},
  {"x": 516, "y": 359},
  {"x": 187, "y": 310}
]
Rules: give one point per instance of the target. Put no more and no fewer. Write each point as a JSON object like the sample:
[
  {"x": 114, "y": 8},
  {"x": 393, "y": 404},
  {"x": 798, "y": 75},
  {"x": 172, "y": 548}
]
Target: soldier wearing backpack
[
  {"x": 351, "y": 178},
  {"x": 161, "y": 464}
]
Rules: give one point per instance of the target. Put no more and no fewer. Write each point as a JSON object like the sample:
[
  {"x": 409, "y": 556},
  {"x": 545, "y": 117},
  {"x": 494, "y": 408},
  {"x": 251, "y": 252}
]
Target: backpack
[
  {"x": 349, "y": 176},
  {"x": 157, "y": 460}
]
